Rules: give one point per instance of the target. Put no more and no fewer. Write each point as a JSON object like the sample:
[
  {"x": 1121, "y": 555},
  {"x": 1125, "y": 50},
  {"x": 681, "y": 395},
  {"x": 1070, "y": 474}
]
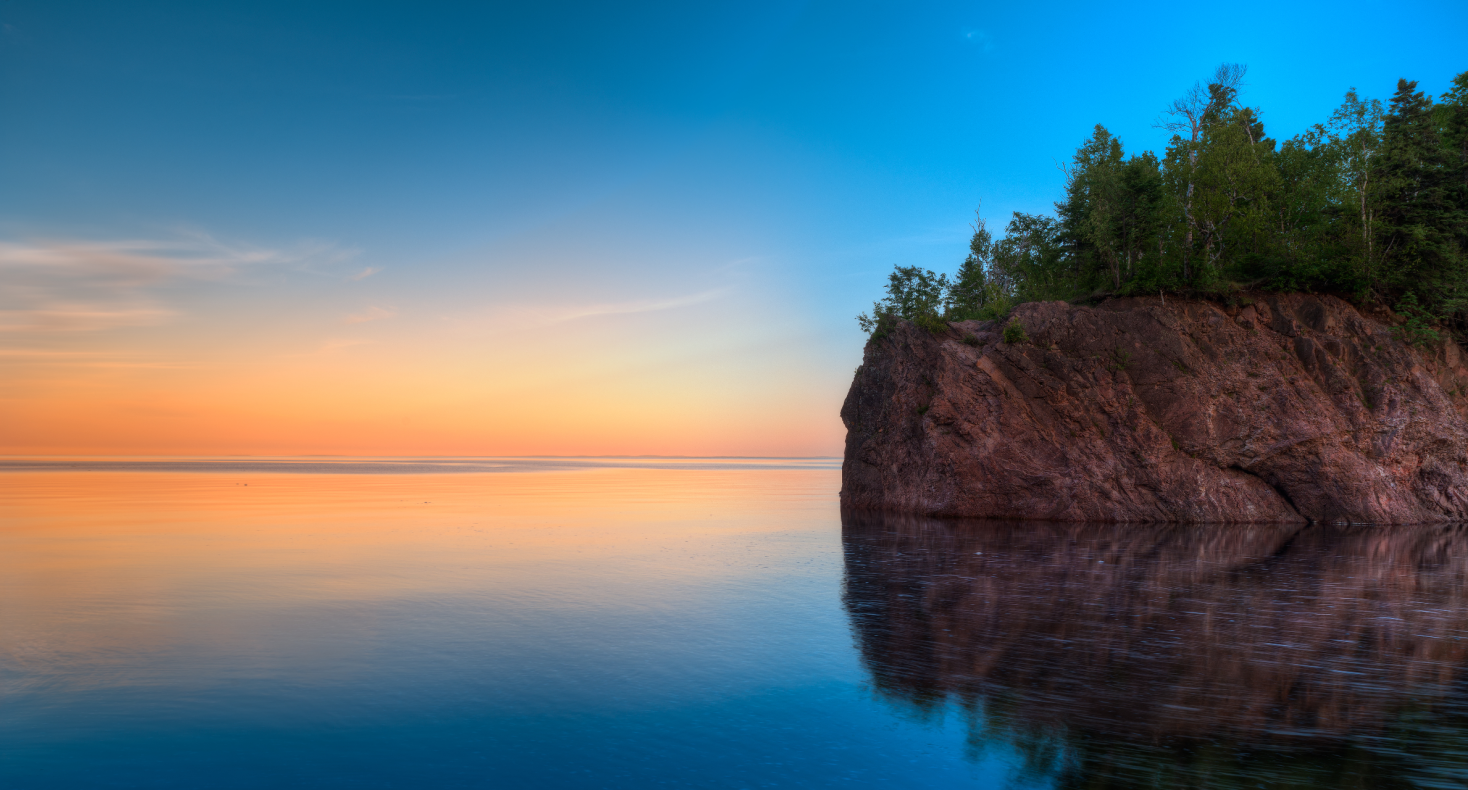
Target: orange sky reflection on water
[{"x": 104, "y": 575}]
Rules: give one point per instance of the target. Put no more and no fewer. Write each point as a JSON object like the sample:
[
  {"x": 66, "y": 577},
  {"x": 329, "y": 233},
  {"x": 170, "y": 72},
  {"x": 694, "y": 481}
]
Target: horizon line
[{"x": 325, "y": 456}]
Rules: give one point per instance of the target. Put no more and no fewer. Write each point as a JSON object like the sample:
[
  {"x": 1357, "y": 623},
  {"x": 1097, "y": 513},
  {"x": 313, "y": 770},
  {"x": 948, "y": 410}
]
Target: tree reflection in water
[{"x": 1176, "y": 656}]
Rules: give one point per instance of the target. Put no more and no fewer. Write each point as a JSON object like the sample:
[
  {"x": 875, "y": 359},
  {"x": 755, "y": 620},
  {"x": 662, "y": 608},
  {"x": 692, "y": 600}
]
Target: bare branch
[
  {"x": 1187, "y": 111},
  {"x": 1230, "y": 75}
]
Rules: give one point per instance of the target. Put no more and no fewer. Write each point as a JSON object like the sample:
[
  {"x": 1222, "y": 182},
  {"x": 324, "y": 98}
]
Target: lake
[{"x": 632, "y": 623}]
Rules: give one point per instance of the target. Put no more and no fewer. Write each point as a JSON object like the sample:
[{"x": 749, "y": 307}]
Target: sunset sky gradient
[{"x": 552, "y": 228}]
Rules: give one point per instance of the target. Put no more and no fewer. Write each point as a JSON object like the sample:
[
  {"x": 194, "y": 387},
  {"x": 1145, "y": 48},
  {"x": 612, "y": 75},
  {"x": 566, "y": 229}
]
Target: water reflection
[{"x": 1176, "y": 656}]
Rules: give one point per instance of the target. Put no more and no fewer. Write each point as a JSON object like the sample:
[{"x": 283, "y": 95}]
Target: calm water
[{"x": 637, "y": 623}]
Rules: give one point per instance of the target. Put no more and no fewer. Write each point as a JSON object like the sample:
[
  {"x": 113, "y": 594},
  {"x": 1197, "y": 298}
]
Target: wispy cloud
[
  {"x": 372, "y": 313},
  {"x": 979, "y": 38},
  {"x": 68, "y": 285},
  {"x": 365, "y": 273},
  {"x": 82, "y": 359},
  {"x": 505, "y": 316},
  {"x": 555, "y": 314},
  {"x": 136, "y": 261},
  {"x": 79, "y": 318}
]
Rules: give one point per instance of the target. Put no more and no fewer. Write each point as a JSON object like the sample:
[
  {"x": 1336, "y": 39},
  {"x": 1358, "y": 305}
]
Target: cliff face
[{"x": 1295, "y": 407}]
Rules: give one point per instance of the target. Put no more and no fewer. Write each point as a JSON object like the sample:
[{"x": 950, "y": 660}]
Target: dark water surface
[{"x": 631, "y": 623}]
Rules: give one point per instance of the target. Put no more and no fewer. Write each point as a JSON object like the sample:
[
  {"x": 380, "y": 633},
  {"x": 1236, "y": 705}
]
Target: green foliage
[
  {"x": 932, "y": 322},
  {"x": 1014, "y": 332},
  {"x": 972, "y": 290},
  {"x": 913, "y": 294},
  {"x": 1417, "y": 329},
  {"x": 1030, "y": 262},
  {"x": 1371, "y": 204},
  {"x": 1421, "y": 207},
  {"x": 1110, "y": 213},
  {"x": 879, "y": 326},
  {"x": 932, "y": 300}
]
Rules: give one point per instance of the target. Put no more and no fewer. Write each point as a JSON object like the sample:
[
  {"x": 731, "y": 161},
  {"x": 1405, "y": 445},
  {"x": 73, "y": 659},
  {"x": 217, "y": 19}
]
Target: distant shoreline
[{"x": 406, "y": 464}]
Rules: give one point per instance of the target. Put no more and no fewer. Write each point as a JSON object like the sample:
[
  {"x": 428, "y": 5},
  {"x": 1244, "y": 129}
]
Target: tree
[
  {"x": 1452, "y": 123},
  {"x": 913, "y": 294},
  {"x": 971, "y": 290},
  {"x": 1140, "y": 222},
  {"x": 1029, "y": 262},
  {"x": 1111, "y": 216},
  {"x": 1370, "y": 204},
  {"x": 1234, "y": 174},
  {"x": 1420, "y": 224},
  {"x": 1355, "y": 135},
  {"x": 1192, "y": 113},
  {"x": 1091, "y": 212}
]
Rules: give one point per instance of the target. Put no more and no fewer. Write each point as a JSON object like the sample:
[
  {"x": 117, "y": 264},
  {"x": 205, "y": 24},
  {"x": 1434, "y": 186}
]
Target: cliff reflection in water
[{"x": 1176, "y": 656}]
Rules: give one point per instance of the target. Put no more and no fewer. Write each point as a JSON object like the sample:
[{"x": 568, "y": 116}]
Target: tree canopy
[{"x": 1371, "y": 205}]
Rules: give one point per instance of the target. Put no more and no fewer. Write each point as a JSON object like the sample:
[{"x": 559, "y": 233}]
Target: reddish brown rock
[{"x": 1294, "y": 407}]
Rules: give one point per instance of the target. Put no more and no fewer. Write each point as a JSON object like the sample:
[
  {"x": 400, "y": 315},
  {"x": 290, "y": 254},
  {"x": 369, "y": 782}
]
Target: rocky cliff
[{"x": 1289, "y": 408}]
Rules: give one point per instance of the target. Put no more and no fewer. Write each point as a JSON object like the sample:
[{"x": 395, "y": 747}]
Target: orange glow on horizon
[{"x": 608, "y": 387}]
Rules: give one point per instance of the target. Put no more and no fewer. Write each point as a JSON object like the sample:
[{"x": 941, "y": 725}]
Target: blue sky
[{"x": 735, "y": 178}]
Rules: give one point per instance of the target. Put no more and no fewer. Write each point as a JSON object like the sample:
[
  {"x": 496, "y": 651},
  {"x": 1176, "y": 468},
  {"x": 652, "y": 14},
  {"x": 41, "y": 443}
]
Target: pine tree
[
  {"x": 1452, "y": 124},
  {"x": 971, "y": 290},
  {"x": 1418, "y": 236},
  {"x": 1090, "y": 214},
  {"x": 1140, "y": 222}
]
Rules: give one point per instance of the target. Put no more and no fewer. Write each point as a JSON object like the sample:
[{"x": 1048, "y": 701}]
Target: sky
[{"x": 557, "y": 228}]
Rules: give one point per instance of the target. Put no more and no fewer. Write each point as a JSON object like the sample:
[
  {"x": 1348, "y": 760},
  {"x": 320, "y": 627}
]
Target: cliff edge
[{"x": 1293, "y": 408}]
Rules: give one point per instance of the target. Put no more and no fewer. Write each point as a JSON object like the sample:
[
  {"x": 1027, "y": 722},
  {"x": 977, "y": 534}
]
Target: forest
[{"x": 1370, "y": 205}]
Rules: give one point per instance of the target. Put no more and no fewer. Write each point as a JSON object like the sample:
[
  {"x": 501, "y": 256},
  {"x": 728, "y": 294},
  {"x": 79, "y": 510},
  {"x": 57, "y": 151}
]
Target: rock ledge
[{"x": 1293, "y": 408}]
